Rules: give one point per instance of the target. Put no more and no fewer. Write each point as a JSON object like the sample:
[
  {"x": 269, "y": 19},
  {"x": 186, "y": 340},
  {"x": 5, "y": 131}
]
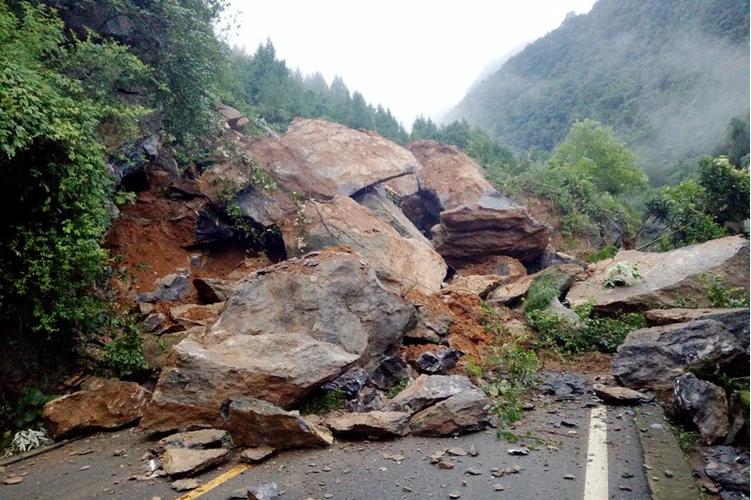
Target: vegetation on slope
[{"x": 666, "y": 76}]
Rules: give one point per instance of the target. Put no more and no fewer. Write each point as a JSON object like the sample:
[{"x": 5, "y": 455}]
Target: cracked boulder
[
  {"x": 402, "y": 261},
  {"x": 332, "y": 297},
  {"x": 254, "y": 422},
  {"x": 670, "y": 279},
  {"x": 654, "y": 357},
  {"x": 427, "y": 390},
  {"x": 467, "y": 217},
  {"x": 321, "y": 159},
  {"x": 704, "y": 404},
  {"x": 466, "y": 411},
  {"x": 282, "y": 368}
]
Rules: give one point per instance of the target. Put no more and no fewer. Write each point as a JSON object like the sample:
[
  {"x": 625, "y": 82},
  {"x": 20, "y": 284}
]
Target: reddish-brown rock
[
  {"x": 404, "y": 261},
  {"x": 105, "y": 404},
  {"x": 321, "y": 159},
  {"x": 469, "y": 218}
]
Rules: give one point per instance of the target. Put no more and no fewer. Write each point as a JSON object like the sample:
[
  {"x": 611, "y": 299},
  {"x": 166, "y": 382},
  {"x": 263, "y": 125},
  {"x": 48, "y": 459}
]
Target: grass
[
  {"x": 323, "y": 402},
  {"x": 687, "y": 440},
  {"x": 506, "y": 372},
  {"x": 393, "y": 391}
]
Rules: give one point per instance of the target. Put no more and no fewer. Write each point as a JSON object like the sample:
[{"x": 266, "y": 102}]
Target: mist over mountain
[{"x": 666, "y": 75}]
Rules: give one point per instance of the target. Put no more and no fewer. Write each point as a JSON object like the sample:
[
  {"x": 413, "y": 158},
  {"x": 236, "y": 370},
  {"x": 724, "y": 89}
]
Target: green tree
[
  {"x": 726, "y": 189},
  {"x": 593, "y": 150},
  {"x": 55, "y": 94}
]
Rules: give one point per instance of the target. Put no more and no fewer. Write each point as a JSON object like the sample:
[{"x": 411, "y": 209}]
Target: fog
[{"x": 416, "y": 57}]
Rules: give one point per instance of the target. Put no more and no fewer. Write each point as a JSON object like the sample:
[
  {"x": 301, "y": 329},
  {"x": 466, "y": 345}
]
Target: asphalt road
[{"x": 556, "y": 433}]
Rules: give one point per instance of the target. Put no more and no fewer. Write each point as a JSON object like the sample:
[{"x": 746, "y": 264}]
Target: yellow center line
[{"x": 220, "y": 479}]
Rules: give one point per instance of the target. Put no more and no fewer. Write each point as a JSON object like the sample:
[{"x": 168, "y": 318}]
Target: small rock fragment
[
  {"x": 256, "y": 454},
  {"x": 518, "y": 451},
  {"x": 265, "y": 491},
  {"x": 570, "y": 477},
  {"x": 456, "y": 452},
  {"x": 185, "y": 484}
]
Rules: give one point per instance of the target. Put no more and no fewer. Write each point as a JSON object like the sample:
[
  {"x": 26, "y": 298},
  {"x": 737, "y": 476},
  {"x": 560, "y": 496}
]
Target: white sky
[{"x": 412, "y": 56}]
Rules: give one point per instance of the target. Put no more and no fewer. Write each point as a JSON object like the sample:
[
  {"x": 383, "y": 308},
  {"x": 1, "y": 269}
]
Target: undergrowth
[
  {"x": 396, "y": 389},
  {"x": 323, "y": 402},
  {"x": 591, "y": 333},
  {"x": 506, "y": 372}
]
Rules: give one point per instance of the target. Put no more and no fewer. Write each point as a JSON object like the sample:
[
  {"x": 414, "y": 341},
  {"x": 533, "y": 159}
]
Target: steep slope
[{"x": 666, "y": 75}]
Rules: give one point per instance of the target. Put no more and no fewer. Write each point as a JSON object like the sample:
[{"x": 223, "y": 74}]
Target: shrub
[
  {"x": 321, "y": 403},
  {"x": 55, "y": 177},
  {"x": 720, "y": 295},
  {"x": 606, "y": 252},
  {"x": 621, "y": 274},
  {"x": 591, "y": 334}
]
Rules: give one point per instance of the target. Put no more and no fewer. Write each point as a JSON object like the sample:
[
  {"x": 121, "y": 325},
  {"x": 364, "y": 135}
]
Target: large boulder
[
  {"x": 332, "y": 296},
  {"x": 402, "y": 261},
  {"x": 320, "y": 159},
  {"x": 381, "y": 204},
  {"x": 370, "y": 425},
  {"x": 427, "y": 390},
  {"x": 466, "y": 215},
  {"x": 655, "y": 357},
  {"x": 670, "y": 279},
  {"x": 253, "y": 422},
  {"x": 659, "y": 317},
  {"x": 103, "y": 404},
  {"x": 704, "y": 403},
  {"x": 282, "y": 368},
  {"x": 466, "y": 411}
]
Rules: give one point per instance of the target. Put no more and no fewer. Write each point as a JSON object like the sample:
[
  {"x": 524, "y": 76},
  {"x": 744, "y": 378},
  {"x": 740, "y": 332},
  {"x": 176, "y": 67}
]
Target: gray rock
[
  {"x": 389, "y": 372},
  {"x": 332, "y": 297},
  {"x": 253, "y": 422},
  {"x": 169, "y": 288},
  {"x": 154, "y": 321},
  {"x": 265, "y": 491},
  {"x": 654, "y": 357},
  {"x": 178, "y": 462},
  {"x": 350, "y": 384},
  {"x": 438, "y": 363},
  {"x": 727, "y": 466},
  {"x": 669, "y": 278},
  {"x": 466, "y": 411},
  {"x": 427, "y": 390},
  {"x": 200, "y": 439},
  {"x": 212, "y": 228},
  {"x": 619, "y": 395},
  {"x": 185, "y": 484},
  {"x": 370, "y": 425},
  {"x": 256, "y": 454},
  {"x": 704, "y": 403},
  {"x": 369, "y": 399},
  {"x": 562, "y": 385}
]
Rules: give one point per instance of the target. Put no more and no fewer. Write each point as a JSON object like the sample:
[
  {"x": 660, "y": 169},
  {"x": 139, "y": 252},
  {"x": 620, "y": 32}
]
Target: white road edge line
[{"x": 596, "y": 483}]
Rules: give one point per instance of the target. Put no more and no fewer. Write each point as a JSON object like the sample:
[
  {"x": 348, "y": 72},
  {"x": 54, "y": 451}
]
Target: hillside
[{"x": 667, "y": 76}]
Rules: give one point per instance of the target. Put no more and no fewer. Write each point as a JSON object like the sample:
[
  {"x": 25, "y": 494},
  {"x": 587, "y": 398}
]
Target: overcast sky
[{"x": 412, "y": 56}]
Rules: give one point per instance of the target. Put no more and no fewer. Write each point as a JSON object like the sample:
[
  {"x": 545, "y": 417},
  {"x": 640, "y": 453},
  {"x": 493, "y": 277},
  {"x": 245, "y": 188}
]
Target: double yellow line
[{"x": 220, "y": 479}]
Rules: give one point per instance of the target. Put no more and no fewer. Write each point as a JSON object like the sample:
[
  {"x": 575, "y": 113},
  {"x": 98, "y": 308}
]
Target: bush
[
  {"x": 591, "y": 334},
  {"x": 53, "y": 164},
  {"x": 606, "y": 252}
]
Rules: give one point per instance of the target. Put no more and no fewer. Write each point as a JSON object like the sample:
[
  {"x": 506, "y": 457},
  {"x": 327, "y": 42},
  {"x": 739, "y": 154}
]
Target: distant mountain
[{"x": 667, "y": 75}]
